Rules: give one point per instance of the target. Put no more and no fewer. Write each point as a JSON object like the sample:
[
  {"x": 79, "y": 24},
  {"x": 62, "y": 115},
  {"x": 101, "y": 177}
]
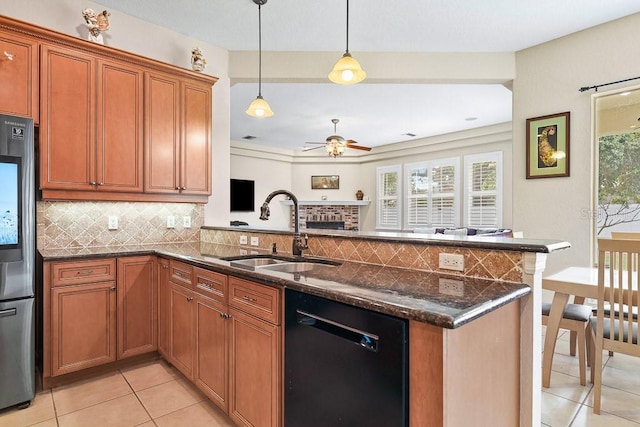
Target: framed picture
[
  {"x": 325, "y": 182},
  {"x": 548, "y": 146}
]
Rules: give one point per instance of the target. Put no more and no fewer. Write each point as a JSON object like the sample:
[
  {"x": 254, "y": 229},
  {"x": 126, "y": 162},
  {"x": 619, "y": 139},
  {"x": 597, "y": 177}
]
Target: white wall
[
  {"x": 547, "y": 82},
  {"x": 134, "y": 35}
]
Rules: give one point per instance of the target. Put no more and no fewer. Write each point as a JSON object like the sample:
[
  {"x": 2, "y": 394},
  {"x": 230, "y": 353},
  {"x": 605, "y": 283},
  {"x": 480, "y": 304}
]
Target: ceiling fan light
[
  {"x": 347, "y": 71},
  {"x": 259, "y": 108}
]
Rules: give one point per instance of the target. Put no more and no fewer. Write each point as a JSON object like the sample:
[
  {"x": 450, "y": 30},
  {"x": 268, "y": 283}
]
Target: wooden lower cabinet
[
  {"x": 163, "y": 307},
  {"x": 83, "y": 326},
  {"x": 212, "y": 350},
  {"x": 254, "y": 371},
  {"x": 137, "y": 306},
  {"x": 181, "y": 328},
  {"x": 97, "y": 311}
]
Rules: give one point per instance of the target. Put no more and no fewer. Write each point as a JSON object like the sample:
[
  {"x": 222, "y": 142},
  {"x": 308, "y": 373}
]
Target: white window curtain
[
  {"x": 389, "y": 190},
  {"x": 431, "y": 195},
  {"x": 483, "y": 190}
]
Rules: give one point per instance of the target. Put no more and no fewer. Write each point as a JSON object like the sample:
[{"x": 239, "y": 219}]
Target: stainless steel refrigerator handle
[{"x": 8, "y": 312}]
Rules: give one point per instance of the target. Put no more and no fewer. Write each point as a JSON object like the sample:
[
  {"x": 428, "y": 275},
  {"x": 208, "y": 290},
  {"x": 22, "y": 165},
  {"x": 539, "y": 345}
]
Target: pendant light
[
  {"x": 259, "y": 107},
  {"x": 347, "y": 70}
]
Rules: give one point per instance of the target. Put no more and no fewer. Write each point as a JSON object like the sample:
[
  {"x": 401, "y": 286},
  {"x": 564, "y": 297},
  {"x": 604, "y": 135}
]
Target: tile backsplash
[{"x": 62, "y": 225}]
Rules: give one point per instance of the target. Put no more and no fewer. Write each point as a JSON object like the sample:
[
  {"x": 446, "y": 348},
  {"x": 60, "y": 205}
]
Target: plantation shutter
[
  {"x": 388, "y": 212},
  {"x": 483, "y": 190}
]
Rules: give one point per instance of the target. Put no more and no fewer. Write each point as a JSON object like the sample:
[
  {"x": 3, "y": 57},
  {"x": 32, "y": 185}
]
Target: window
[
  {"x": 431, "y": 199},
  {"x": 483, "y": 190},
  {"x": 388, "y": 212}
]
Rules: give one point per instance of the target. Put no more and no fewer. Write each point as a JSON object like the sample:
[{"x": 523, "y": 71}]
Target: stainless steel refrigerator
[{"x": 17, "y": 262}]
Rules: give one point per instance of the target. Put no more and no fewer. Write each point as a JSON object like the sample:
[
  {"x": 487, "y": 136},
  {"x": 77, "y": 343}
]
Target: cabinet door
[
  {"x": 119, "y": 120},
  {"x": 181, "y": 329},
  {"x": 212, "y": 331},
  {"x": 67, "y": 127},
  {"x": 163, "y": 307},
  {"x": 254, "y": 371},
  {"x": 195, "y": 171},
  {"x": 137, "y": 303},
  {"x": 162, "y": 134},
  {"x": 83, "y": 326},
  {"x": 19, "y": 76}
]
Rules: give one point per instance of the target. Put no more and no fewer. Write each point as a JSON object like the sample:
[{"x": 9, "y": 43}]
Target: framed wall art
[
  {"x": 548, "y": 146},
  {"x": 325, "y": 182}
]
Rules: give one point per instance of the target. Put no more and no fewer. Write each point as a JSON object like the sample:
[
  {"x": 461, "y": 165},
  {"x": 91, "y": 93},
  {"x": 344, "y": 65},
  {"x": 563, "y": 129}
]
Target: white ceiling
[{"x": 373, "y": 114}]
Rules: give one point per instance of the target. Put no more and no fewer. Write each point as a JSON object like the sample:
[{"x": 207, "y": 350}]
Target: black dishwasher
[{"x": 344, "y": 366}]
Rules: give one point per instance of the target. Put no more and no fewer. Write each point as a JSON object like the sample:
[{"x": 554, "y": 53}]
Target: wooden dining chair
[
  {"x": 615, "y": 330},
  {"x": 575, "y": 318}
]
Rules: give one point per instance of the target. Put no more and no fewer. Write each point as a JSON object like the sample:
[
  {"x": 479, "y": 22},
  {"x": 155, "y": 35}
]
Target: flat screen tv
[
  {"x": 10, "y": 209},
  {"x": 242, "y": 195}
]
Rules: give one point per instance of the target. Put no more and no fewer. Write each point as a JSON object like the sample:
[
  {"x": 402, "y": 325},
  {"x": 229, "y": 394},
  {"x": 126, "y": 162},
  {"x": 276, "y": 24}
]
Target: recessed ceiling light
[
  {"x": 625, "y": 93},
  {"x": 249, "y": 137},
  {"x": 409, "y": 134},
  {"x": 470, "y": 119}
]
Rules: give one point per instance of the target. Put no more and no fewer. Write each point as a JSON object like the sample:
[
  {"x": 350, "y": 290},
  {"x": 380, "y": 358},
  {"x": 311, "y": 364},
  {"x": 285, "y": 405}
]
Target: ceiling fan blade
[
  {"x": 359, "y": 147},
  {"x": 323, "y": 143},
  {"x": 312, "y": 148}
]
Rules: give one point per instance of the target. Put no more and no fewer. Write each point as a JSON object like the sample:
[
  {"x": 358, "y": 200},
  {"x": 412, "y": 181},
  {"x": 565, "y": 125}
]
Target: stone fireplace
[{"x": 326, "y": 216}]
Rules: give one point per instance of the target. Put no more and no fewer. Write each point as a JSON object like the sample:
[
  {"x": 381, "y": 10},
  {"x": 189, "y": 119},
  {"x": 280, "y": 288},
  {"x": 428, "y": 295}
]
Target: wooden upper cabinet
[
  {"x": 195, "y": 174},
  {"x": 120, "y": 131},
  {"x": 162, "y": 134},
  {"x": 19, "y": 75},
  {"x": 67, "y": 131},
  {"x": 177, "y": 136},
  {"x": 91, "y": 131}
]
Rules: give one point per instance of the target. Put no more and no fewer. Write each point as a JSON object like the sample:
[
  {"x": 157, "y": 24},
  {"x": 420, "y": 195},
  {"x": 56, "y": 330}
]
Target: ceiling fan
[{"x": 335, "y": 144}]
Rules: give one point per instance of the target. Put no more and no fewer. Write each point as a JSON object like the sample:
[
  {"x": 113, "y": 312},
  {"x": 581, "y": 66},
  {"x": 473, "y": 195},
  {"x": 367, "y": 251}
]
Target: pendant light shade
[
  {"x": 347, "y": 70},
  {"x": 259, "y": 107}
]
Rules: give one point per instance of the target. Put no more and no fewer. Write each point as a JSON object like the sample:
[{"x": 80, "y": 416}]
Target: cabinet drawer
[
  {"x": 181, "y": 273},
  {"x": 211, "y": 284},
  {"x": 256, "y": 299},
  {"x": 89, "y": 271}
]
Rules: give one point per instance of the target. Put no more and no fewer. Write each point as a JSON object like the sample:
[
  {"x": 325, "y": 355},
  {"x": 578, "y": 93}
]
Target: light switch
[
  {"x": 113, "y": 222},
  {"x": 186, "y": 221}
]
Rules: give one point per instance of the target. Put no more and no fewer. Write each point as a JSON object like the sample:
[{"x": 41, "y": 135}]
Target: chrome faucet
[{"x": 299, "y": 244}]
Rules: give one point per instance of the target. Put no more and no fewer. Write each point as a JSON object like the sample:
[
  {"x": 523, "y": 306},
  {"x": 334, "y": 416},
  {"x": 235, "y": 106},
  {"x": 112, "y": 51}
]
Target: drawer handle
[
  {"x": 180, "y": 275},
  {"x": 8, "y": 55},
  {"x": 164, "y": 267},
  {"x": 84, "y": 272},
  {"x": 225, "y": 316},
  {"x": 8, "y": 312},
  {"x": 189, "y": 299},
  {"x": 249, "y": 299},
  {"x": 205, "y": 285}
]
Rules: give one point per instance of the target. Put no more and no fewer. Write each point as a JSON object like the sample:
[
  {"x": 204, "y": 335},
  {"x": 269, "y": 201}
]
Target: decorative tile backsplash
[
  {"x": 62, "y": 225},
  {"x": 483, "y": 263}
]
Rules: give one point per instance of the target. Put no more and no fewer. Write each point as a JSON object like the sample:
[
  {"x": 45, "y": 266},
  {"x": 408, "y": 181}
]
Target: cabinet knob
[
  {"x": 8, "y": 55},
  {"x": 189, "y": 299},
  {"x": 101, "y": 183},
  {"x": 165, "y": 267},
  {"x": 178, "y": 187},
  {"x": 93, "y": 183},
  {"x": 183, "y": 188},
  {"x": 113, "y": 288}
]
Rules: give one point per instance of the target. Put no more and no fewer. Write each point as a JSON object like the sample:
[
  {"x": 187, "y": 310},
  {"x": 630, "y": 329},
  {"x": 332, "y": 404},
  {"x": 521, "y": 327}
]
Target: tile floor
[
  {"x": 155, "y": 394},
  {"x": 150, "y": 394}
]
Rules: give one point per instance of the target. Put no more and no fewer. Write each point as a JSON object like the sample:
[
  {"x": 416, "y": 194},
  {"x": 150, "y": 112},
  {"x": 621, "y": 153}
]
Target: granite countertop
[{"x": 443, "y": 300}]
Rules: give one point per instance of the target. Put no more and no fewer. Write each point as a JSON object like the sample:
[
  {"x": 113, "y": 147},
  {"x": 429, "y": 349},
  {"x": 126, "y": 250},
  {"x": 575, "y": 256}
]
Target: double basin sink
[{"x": 279, "y": 263}]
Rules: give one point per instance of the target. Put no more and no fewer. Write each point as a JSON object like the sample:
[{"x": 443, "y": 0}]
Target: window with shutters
[
  {"x": 431, "y": 196},
  {"x": 388, "y": 211},
  {"x": 483, "y": 190}
]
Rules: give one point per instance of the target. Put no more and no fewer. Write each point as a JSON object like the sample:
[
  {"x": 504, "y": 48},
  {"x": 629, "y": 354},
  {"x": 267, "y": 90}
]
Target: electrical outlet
[
  {"x": 186, "y": 221},
  {"x": 243, "y": 251},
  {"x": 171, "y": 221},
  {"x": 254, "y": 241},
  {"x": 451, "y": 262},
  {"x": 451, "y": 287},
  {"x": 243, "y": 240},
  {"x": 113, "y": 222}
]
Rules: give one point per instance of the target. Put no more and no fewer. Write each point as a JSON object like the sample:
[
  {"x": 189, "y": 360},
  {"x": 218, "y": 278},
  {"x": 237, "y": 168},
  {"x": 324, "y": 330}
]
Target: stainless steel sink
[
  {"x": 279, "y": 263},
  {"x": 295, "y": 267}
]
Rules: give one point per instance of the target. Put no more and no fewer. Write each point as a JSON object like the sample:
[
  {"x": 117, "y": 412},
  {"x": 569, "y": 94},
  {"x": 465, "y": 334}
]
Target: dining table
[{"x": 582, "y": 283}]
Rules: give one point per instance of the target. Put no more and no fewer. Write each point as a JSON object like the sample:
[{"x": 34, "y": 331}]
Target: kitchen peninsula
[{"x": 474, "y": 335}]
